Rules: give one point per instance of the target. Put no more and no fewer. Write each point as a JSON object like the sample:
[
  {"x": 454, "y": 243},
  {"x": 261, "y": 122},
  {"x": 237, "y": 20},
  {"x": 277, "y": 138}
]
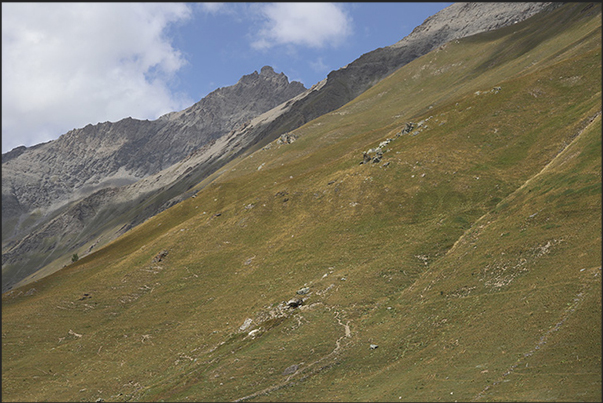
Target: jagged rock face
[
  {"x": 55, "y": 190},
  {"x": 113, "y": 154}
]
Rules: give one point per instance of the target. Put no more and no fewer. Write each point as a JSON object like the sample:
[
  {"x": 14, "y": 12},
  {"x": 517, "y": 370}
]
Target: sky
[{"x": 67, "y": 65}]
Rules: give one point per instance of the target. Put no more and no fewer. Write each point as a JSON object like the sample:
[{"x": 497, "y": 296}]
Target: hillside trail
[
  {"x": 586, "y": 123},
  {"x": 315, "y": 367},
  {"x": 595, "y": 273},
  {"x": 320, "y": 364}
]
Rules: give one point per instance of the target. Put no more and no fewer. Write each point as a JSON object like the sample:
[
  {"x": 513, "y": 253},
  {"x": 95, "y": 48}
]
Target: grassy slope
[{"x": 483, "y": 289}]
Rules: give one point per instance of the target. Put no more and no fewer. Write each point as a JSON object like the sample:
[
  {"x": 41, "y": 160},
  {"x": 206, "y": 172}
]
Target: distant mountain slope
[
  {"x": 93, "y": 221},
  {"x": 38, "y": 183},
  {"x": 115, "y": 154},
  {"x": 109, "y": 154},
  {"x": 460, "y": 261}
]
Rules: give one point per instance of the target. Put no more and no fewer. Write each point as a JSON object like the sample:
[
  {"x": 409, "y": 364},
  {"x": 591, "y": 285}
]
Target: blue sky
[{"x": 65, "y": 65}]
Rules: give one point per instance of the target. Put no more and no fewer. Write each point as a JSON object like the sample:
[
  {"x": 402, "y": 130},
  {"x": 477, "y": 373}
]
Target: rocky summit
[
  {"x": 111, "y": 154},
  {"x": 38, "y": 181}
]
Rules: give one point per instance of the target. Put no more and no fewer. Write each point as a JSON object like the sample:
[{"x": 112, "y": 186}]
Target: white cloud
[
  {"x": 314, "y": 25},
  {"x": 65, "y": 65},
  {"x": 212, "y": 8}
]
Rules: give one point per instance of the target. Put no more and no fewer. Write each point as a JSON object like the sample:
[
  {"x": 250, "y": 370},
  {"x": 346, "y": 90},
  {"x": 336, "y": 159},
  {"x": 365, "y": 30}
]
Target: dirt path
[
  {"x": 312, "y": 368},
  {"x": 543, "y": 339}
]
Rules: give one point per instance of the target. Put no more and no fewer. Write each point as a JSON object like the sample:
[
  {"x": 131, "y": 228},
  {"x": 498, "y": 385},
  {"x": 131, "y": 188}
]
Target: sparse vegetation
[{"x": 472, "y": 260}]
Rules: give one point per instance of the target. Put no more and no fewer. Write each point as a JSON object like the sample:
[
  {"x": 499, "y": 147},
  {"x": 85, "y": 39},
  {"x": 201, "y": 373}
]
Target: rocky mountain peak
[
  {"x": 268, "y": 75},
  {"x": 88, "y": 159},
  {"x": 463, "y": 19},
  {"x": 267, "y": 71}
]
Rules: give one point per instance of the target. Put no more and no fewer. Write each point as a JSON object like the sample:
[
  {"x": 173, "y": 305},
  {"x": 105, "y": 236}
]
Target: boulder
[
  {"x": 294, "y": 302},
  {"x": 291, "y": 369},
  {"x": 159, "y": 257},
  {"x": 408, "y": 127},
  {"x": 367, "y": 157},
  {"x": 246, "y": 324},
  {"x": 286, "y": 139}
]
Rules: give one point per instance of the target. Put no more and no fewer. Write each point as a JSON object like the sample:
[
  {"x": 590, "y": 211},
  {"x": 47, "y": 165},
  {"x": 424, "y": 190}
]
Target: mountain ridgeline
[
  {"x": 84, "y": 160},
  {"x": 46, "y": 188},
  {"x": 40, "y": 186},
  {"x": 435, "y": 238}
]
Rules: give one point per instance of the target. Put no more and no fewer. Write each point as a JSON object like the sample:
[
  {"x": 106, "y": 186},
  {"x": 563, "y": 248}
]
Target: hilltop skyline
[{"x": 62, "y": 68}]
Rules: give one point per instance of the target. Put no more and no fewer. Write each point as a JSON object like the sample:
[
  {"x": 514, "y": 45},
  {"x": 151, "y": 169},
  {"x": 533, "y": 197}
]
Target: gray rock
[
  {"x": 291, "y": 369},
  {"x": 159, "y": 257},
  {"x": 286, "y": 138},
  {"x": 373, "y": 346},
  {"x": 408, "y": 127},
  {"x": 303, "y": 291},
  {"x": 367, "y": 157},
  {"x": 246, "y": 324},
  {"x": 295, "y": 302}
]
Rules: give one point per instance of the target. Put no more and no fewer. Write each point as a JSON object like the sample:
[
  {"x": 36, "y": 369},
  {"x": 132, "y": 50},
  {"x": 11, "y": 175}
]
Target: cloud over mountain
[
  {"x": 89, "y": 61},
  {"x": 314, "y": 25}
]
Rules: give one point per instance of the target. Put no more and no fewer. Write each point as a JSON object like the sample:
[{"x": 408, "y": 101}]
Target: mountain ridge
[
  {"x": 122, "y": 145},
  {"x": 339, "y": 87}
]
